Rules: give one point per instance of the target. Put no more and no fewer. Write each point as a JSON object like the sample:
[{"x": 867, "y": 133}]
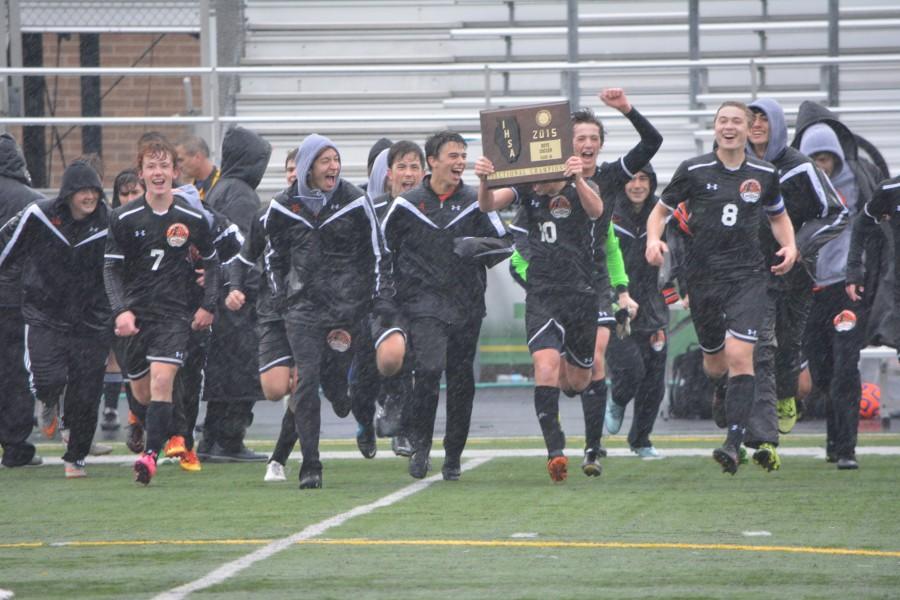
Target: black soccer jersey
[
  {"x": 560, "y": 240},
  {"x": 155, "y": 249},
  {"x": 725, "y": 208}
]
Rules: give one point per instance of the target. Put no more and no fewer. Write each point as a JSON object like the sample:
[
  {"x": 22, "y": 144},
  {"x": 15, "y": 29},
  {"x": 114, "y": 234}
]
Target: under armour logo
[
  {"x": 140, "y": 233},
  {"x": 712, "y": 186},
  {"x": 535, "y": 203},
  {"x": 456, "y": 207},
  {"x": 751, "y": 332}
]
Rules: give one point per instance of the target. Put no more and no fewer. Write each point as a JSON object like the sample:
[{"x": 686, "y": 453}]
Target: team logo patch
[
  {"x": 338, "y": 340},
  {"x": 560, "y": 207},
  {"x": 177, "y": 235},
  {"x": 750, "y": 190}
]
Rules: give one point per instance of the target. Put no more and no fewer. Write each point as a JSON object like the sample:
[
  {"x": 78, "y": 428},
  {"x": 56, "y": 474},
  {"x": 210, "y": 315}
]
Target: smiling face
[
  {"x": 405, "y": 174},
  {"x": 323, "y": 174},
  {"x": 587, "y": 142},
  {"x": 83, "y": 203},
  {"x": 448, "y": 166},
  {"x": 638, "y": 189},
  {"x": 158, "y": 171},
  {"x": 759, "y": 129},
  {"x": 732, "y": 127}
]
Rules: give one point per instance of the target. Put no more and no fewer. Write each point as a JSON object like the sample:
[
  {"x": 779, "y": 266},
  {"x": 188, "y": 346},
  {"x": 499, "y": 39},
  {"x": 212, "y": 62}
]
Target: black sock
[
  {"x": 738, "y": 402},
  {"x": 159, "y": 419},
  {"x": 111, "y": 391},
  {"x": 593, "y": 403},
  {"x": 546, "y": 406},
  {"x": 137, "y": 409}
]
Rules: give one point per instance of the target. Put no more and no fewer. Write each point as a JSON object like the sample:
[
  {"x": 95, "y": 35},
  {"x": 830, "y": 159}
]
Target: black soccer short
[
  {"x": 274, "y": 348},
  {"x": 157, "y": 341},
  {"x": 733, "y": 308},
  {"x": 605, "y": 315},
  {"x": 50, "y": 355},
  {"x": 564, "y": 322}
]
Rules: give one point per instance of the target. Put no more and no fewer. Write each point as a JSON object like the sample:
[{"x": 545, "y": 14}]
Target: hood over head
[
  {"x": 79, "y": 176},
  {"x": 377, "y": 178},
  {"x": 376, "y": 149},
  {"x": 822, "y": 138},
  {"x": 777, "y": 127},
  {"x": 245, "y": 156},
  {"x": 190, "y": 194},
  {"x": 811, "y": 113},
  {"x": 648, "y": 169},
  {"x": 309, "y": 150},
  {"x": 12, "y": 161}
]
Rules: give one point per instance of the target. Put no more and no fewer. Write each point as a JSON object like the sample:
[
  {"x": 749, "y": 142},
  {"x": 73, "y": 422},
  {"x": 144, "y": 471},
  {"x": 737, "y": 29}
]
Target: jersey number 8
[
  {"x": 548, "y": 232},
  {"x": 729, "y": 215}
]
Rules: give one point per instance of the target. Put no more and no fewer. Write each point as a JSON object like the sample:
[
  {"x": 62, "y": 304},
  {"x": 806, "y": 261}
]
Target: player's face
[
  {"x": 405, "y": 174},
  {"x": 731, "y": 128},
  {"x": 587, "y": 143},
  {"x": 158, "y": 171},
  {"x": 825, "y": 161},
  {"x": 449, "y": 164},
  {"x": 290, "y": 172},
  {"x": 130, "y": 194},
  {"x": 83, "y": 203},
  {"x": 759, "y": 129},
  {"x": 325, "y": 169},
  {"x": 638, "y": 189}
]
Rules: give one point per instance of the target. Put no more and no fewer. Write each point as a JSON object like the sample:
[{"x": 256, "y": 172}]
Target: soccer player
[
  {"x": 440, "y": 293},
  {"x": 148, "y": 276},
  {"x": 329, "y": 252},
  {"x": 725, "y": 192},
  {"x": 609, "y": 177},
  {"x": 561, "y": 301},
  {"x": 817, "y": 216},
  {"x": 59, "y": 244}
]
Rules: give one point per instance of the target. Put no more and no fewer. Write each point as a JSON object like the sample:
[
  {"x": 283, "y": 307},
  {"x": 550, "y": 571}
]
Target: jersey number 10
[{"x": 548, "y": 232}]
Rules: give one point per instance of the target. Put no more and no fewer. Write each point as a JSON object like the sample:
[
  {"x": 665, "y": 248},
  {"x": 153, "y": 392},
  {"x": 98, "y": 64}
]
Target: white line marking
[
  {"x": 6, "y": 595},
  {"x": 756, "y": 533},
  {"x": 524, "y": 535},
  {"x": 234, "y": 567}
]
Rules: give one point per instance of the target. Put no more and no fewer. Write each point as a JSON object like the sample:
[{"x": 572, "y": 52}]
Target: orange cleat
[
  {"x": 190, "y": 462},
  {"x": 175, "y": 447},
  {"x": 558, "y": 467}
]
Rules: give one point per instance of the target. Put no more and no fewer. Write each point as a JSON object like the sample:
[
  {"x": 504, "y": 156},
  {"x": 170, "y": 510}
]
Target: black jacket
[
  {"x": 62, "y": 259},
  {"x": 15, "y": 194},
  {"x": 423, "y": 234},
  {"x": 332, "y": 263},
  {"x": 256, "y": 253},
  {"x": 643, "y": 286}
]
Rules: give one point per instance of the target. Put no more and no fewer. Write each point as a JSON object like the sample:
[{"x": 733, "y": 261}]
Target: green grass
[{"x": 677, "y": 500}]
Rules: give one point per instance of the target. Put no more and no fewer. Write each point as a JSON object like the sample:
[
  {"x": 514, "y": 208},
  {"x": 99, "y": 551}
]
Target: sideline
[{"x": 234, "y": 567}]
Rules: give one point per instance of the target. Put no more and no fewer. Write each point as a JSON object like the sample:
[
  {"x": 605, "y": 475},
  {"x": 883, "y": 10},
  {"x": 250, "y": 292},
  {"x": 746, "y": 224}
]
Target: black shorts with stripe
[
  {"x": 733, "y": 308},
  {"x": 157, "y": 341},
  {"x": 566, "y": 322},
  {"x": 274, "y": 348}
]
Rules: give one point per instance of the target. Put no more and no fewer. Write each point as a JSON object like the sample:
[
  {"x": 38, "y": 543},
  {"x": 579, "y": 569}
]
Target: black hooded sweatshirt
[
  {"x": 15, "y": 194},
  {"x": 62, "y": 259}
]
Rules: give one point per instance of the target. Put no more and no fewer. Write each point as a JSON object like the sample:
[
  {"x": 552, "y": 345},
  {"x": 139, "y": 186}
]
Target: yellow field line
[{"x": 480, "y": 544}]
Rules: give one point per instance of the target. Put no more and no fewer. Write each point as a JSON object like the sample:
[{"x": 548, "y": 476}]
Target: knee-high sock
[
  {"x": 546, "y": 406},
  {"x": 738, "y": 402},
  {"x": 593, "y": 403},
  {"x": 159, "y": 418}
]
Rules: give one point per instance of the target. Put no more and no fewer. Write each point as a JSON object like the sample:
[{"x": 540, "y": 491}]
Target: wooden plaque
[{"x": 527, "y": 143}]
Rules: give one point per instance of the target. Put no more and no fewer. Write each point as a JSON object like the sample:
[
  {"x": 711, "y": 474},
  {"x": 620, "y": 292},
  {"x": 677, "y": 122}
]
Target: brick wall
[{"x": 131, "y": 96}]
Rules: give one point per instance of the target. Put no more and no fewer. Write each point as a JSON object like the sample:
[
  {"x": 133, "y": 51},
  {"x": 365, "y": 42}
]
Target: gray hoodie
[{"x": 309, "y": 150}]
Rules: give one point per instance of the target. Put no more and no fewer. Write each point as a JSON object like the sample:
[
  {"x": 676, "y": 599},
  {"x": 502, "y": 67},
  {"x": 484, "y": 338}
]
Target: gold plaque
[{"x": 527, "y": 143}]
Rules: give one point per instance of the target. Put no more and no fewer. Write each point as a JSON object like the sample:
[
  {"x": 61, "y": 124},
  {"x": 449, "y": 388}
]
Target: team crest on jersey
[
  {"x": 750, "y": 190},
  {"x": 560, "y": 207},
  {"x": 177, "y": 235}
]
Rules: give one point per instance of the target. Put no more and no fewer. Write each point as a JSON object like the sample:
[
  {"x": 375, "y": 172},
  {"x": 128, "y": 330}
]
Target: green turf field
[{"x": 675, "y": 528}]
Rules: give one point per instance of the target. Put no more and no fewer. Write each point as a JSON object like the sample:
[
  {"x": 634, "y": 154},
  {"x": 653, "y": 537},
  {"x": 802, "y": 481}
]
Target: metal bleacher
[{"x": 404, "y": 68}]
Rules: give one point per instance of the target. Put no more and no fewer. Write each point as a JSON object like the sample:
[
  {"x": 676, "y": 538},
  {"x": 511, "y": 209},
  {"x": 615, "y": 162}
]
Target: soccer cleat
[
  {"x": 275, "y": 472},
  {"x": 48, "y": 420},
  {"x": 145, "y": 468},
  {"x": 100, "y": 449},
  {"x": 590, "y": 466},
  {"x": 614, "y": 416},
  {"x": 558, "y": 467},
  {"x": 175, "y": 447},
  {"x": 847, "y": 463},
  {"x": 718, "y": 406},
  {"x": 389, "y": 418},
  {"x": 190, "y": 462},
  {"x": 110, "y": 420},
  {"x": 401, "y": 446},
  {"x": 451, "y": 470},
  {"x": 647, "y": 452},
  {"x": 742, "y": 456},
  {"x": 365, "y": 440},
  {"x": 75, "y": 470},
  {"x": 312, "y": 480},
  {"x": 419, "y": 463},
  {"x": 728, "y": 457},
  {"x": 767, "y": 457},
  {"x": 786, "y": 409},
  {"x": 135, "y": 438}
]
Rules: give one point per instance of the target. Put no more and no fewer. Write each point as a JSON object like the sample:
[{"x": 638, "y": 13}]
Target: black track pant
[
  {"x": 834, "y": 365},
  {"x": 59, "y": 361},
  {"x": 637, "y": 371},
  {"x": 438, "y": 347},
  {"x": 16, "y": 401}
]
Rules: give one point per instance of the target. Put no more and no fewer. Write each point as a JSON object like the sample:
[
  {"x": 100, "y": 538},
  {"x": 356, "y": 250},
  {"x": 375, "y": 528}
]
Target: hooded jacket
[
  {"x": 15, "y": 195},
  {"x": 61, "y": 258},
  {"x": 380, "y": 167},
  {"x": 245, "y": 157},
  {"x": 327, "y": 247},
  {"x": 811, "y": 202},
  {"x": 631, "y": 229}
]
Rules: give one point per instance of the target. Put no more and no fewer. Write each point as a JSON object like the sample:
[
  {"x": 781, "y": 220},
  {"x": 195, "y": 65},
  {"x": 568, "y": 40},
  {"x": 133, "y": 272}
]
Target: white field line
[
  {"x": 234, "y": 567},
  {"x": 808, "y": 452}
]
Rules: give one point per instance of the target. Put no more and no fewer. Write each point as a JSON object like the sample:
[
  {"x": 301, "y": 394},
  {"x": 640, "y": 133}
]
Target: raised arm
[{"x": 488, "y": 199}]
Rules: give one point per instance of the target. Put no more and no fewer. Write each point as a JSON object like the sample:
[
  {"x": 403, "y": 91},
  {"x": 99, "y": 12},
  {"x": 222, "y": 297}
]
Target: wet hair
[
  {"x": 152, "y": 143},
  {"x": 126, "y": 179},
  {"x": 291, "y": 156},
  {"x": 193, "y": 144},
  {"x": 736, "y": 104},
  {"x": 586, "y": 115},
  {"x": 404, "y": 147},
  {"x": 434, "y": 143}
]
